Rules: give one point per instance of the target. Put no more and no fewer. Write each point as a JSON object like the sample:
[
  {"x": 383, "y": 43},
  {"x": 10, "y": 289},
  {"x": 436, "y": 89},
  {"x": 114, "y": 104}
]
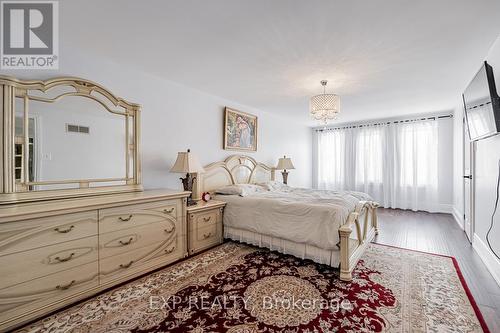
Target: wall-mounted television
[{"x": 482, "y": 105}]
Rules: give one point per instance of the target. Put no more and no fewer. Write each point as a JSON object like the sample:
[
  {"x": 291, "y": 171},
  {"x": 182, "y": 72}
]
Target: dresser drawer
[
  {"x": 129, "y": 263},
  {"x": 91, "y": 244},
  {"x": 19, "y": 300},
  {"x": 204, "y": 219},
  {"x": 118, "y": 242},
  {"x": 121, "y": 218},
  {"x": 24, "y": 266},
  {"x": 202, "y": 238},
  {"x": 30, "y": 234}
]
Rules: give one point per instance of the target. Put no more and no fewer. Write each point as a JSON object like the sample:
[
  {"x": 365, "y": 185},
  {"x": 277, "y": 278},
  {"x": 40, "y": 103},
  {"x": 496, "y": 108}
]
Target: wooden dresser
[{"x": 59, "y": 251}]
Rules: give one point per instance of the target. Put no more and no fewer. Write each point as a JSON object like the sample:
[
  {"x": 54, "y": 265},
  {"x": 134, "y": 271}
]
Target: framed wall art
[{"x": 240, "y": 130}]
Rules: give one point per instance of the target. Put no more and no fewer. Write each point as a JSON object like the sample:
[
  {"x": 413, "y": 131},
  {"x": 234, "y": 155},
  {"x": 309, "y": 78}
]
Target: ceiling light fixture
[{"x": 325, "y": 106}]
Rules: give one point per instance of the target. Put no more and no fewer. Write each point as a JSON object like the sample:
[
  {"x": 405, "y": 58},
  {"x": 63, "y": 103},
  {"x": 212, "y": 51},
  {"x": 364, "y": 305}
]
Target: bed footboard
[{"x": 351, "y": 249}]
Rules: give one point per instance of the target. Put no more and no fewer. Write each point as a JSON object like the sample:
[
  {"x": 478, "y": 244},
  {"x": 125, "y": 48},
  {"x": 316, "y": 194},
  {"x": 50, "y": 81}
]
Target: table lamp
[
  {"x": 284, "y": 164},
  {"x": 187, "y": 163}
]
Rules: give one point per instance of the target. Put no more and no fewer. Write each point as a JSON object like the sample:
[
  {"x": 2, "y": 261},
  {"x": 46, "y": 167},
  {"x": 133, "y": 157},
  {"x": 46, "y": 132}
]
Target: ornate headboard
[{"x": 236, "y": 169}]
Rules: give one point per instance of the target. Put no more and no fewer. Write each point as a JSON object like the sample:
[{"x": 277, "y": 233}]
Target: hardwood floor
[{"x": 439, "y": 233}]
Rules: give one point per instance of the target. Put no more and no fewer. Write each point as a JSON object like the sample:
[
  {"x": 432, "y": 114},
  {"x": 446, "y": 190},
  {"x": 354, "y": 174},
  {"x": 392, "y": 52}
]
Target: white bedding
[{"x": 304, "y": 216}]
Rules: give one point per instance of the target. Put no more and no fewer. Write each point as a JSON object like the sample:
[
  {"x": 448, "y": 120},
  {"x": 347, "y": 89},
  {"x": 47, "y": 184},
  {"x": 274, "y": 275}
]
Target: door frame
[{"x": 472, "y": 186}]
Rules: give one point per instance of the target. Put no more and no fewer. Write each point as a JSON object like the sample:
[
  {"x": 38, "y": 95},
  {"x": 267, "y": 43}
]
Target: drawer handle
[
  {"x": 64, "y": 231},
  {"x": 68, "y": 258},
  {"x": 127, "y": 265},
  {"x": 169, "y": 231},
  {"x": 170, "y": 251},
  {"x": 206, "y": 219},
  {"x": 125, "y": 219},
  {"x": 59, "y": 287},
  {"x": 127, "y": 242},
  {"x": 205, "y": 236},
  {"x": 169, "y": 211}
]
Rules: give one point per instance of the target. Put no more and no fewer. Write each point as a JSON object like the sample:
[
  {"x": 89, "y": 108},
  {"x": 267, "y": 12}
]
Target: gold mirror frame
[{"x": 12, "y": 88}]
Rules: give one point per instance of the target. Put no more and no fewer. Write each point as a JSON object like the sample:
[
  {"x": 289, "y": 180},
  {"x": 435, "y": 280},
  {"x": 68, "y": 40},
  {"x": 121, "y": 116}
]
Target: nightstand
[{"x": 204, "y": 225}]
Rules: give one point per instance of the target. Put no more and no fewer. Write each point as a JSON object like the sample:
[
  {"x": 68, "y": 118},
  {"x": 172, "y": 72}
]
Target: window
[
  {"x": 417, "y": 154},
  {"x": 369, "y": 160},
  {"x": 331, "y": 160},
  {"x": 396, "y": 163}
]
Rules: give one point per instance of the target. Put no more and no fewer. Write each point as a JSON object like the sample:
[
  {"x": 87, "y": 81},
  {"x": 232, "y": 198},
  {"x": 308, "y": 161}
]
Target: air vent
[
  {"x": 83, "y": 129},
  {"x": 77, "y": 129}
]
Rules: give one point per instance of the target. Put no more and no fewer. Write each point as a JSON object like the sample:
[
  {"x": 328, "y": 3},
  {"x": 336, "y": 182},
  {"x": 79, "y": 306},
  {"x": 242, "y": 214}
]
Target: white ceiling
[{"x": 384, "y": 57}]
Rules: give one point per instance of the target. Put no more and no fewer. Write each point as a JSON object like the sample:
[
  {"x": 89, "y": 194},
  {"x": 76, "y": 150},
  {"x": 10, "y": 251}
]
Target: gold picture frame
[{"x": 240, "y": 130}]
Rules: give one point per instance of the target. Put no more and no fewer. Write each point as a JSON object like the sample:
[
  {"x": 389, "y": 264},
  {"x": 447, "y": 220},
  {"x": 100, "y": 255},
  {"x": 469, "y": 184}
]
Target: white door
[{"x": 468, "y": 148}]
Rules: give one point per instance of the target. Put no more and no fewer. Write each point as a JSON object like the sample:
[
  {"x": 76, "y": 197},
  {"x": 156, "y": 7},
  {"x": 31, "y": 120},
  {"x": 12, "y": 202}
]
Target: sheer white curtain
[
  {"x": 416, "y": 166},
  {"x": 397, "y": 163},
  {"x": 368, "y": 160},
  {"x": 331, "y": 160}
]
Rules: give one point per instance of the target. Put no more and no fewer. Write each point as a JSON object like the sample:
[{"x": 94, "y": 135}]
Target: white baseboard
[
  {"x": 490, "y": 261},
  {"x": 445, "y": 208},
  {"x": 457, "y": 215}
]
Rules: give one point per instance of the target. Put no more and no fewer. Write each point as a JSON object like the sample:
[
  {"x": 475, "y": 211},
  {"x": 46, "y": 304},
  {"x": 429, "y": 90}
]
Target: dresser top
[
  {"x": 59, "y": 206},
  {"x": 202, "y": 205}
]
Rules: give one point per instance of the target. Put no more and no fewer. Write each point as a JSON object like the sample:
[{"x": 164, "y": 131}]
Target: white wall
[
  {"x": 64, "y": 155},
  {"x": 445, "y": 165},
  {"x": 458, "y": 157},
  {"x": 485, "y": 175},
  {"x": 176, "y": 117},
  {"x": 486, "y": 171},
  {"x": 487, "y": 155}
]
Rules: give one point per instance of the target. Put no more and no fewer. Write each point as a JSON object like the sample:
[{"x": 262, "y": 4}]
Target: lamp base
[
  {"x": 187, "y": 183},
  {"x": 284, "y": 173}
]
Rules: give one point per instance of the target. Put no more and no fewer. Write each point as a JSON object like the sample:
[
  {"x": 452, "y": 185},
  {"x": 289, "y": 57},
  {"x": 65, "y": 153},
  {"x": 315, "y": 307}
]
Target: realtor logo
[{"x": 30, "y": 35}]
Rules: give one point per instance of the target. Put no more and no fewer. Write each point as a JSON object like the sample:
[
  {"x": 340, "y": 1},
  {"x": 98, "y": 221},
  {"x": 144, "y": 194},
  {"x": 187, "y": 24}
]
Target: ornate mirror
[{"x": 66, "y": 137}]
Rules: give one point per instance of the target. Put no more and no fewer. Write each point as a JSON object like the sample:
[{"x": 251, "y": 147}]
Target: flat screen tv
[{"x": 482, "y": 105}]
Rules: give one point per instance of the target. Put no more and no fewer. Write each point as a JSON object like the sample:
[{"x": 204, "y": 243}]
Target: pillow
[
  {"x": 242, "y": 190},
  {"x": 229, "y": 190},
  {"x": 274, "y": 185},
  {"x": 249, "y": 189}
]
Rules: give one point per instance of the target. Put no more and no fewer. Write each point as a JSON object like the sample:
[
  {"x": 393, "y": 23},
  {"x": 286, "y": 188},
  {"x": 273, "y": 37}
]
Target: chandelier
[{"x": 325, "y": 106}]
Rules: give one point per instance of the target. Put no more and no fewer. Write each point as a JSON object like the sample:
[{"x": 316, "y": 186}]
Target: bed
[{"x": 328, "y": 227}]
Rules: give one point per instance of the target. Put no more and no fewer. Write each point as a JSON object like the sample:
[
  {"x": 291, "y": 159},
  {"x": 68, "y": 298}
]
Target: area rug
[{"x": 242, "y": 289}]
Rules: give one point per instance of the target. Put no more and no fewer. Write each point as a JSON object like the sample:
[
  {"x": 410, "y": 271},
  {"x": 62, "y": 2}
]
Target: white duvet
[{"x": 300, "y": 215}]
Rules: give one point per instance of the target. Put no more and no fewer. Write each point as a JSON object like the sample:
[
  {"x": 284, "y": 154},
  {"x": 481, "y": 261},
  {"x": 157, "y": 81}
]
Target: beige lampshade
[
  {"x": 285, "y": 163},
  {"x": 187, "y": 163}
]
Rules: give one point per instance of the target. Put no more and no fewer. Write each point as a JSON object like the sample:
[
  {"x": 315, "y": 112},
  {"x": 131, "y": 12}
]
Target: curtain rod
[{"x": 385, "y": 123}]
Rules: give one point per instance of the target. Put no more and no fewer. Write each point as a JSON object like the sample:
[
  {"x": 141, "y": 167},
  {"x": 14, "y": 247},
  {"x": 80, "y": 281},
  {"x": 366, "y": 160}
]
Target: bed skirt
[{"x": 300, "y": 250}]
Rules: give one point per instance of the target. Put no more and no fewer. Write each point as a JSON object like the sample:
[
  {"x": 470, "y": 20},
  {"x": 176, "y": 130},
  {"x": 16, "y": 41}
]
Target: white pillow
[
  {"x": 274, "y": 185},
  {"x": 242, "y": 190},
  {"x": 249, "y": 189},
  {"x": 229, "y": 190}
]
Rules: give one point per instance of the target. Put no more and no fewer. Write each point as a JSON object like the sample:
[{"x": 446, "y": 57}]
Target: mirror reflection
[{"x": 71, "y": 141}]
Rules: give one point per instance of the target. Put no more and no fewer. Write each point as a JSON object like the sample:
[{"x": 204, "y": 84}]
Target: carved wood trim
[
  {"x": 229, "y": 166},
  {"x": 12, "y": 88}
]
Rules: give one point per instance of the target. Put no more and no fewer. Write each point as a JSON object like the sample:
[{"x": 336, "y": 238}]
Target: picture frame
[{"x": 240, "y": 130}]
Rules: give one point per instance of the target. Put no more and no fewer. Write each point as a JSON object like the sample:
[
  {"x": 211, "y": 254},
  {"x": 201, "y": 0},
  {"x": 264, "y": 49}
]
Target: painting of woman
[{"x": 240, "y": 130}]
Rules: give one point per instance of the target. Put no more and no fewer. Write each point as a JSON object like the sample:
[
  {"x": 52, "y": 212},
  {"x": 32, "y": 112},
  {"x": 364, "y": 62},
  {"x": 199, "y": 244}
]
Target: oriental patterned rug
[{"x": 238, "y": 288}]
